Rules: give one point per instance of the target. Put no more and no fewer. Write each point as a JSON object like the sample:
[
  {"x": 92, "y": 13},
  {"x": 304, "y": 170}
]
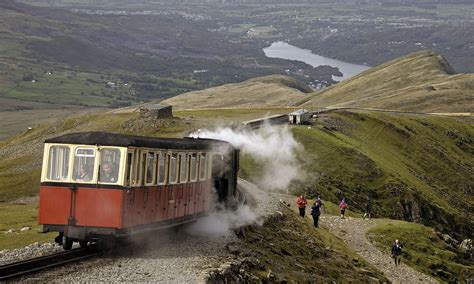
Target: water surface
[{"x": 284, "y": 50}]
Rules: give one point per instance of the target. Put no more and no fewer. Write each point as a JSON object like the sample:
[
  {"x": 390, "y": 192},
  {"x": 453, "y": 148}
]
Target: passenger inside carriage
[
  {"x": 84, "y": 173},
  {"x": 107, "y": 173}
]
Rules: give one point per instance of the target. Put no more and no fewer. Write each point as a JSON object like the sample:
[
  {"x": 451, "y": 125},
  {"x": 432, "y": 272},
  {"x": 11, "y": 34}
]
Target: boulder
[{"x": 466, "y": 248}]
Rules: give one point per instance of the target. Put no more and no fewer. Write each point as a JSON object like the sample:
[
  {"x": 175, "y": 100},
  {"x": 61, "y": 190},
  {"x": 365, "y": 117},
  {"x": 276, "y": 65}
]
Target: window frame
[
  {"x": 206, "y": 166},
  {"x": 170, "y": 157},
  {"x": 134, "y": 173},
  {"x": 143, "y": 154},
  {"x": 196, "y": 167},
  {"x": 165, "y": 167},
  {"x": 95, "y": 165},
  {"x": 46, "y": 164},
  {"x": 153, "y": 170},
  {"x": 120, "y": 174},
  {"x": 186, "y": 167},
  {"x": 129, "y": 167}
]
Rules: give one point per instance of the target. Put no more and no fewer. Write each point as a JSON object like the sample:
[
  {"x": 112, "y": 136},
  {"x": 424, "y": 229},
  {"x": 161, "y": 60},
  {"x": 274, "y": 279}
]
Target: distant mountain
[
  {"x": 270, "y": 91},
  {"x": 422, "y": 81}
]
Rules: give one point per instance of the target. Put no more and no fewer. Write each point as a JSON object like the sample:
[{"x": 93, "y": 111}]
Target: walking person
[
  {"x": 397, "y": 252},
  {"x": 316, "y": 211},
  {"x": 368, "y": 209},
  {"x": 342, "y": 207},
  {"x": 301, "y": 202}
]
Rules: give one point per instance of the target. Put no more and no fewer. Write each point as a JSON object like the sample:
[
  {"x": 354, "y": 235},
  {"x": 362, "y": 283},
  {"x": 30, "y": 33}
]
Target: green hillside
[
  {"x": 416, "y": 168},
  {"x": 422, "y": 82}
]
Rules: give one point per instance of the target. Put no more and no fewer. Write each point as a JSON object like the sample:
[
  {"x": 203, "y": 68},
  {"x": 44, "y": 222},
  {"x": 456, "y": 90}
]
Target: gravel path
[
  {"x": 353, "y": 232},
  {"x": 171, "y": 256}
]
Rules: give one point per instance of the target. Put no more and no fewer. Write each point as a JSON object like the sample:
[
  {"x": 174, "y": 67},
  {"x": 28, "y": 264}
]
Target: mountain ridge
[{"x": 423, "y": 82}]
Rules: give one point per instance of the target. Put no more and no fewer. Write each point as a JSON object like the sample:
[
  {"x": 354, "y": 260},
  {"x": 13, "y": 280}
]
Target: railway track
[{"x": 17, "y": 269}]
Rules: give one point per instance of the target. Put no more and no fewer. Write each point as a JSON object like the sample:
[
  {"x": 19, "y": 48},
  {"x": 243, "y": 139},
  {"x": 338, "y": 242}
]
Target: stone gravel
[{"x": 30, "y": 251}]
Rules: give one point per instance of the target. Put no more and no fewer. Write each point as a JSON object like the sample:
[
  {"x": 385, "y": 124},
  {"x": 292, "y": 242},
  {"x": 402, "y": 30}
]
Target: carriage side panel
[
  {"x": 54, "y": 206},
  {"x": 98, "y": 207}
]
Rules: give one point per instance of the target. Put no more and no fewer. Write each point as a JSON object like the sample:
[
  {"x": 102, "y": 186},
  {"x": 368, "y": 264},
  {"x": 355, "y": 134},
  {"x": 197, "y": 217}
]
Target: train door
[{"x": 219, "y": 176}]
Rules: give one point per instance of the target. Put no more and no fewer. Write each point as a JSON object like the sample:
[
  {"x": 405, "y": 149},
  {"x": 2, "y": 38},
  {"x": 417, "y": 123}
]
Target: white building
[{"x": 299, "y": 116}]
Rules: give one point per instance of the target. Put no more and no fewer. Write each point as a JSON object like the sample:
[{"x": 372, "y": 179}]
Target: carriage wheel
[
  {"x": 83, "y": 244},
  {"x": 67, "y": 243}
]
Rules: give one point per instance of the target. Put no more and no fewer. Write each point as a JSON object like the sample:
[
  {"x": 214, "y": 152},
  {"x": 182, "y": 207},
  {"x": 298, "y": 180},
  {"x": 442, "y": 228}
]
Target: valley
[{"x": 400, "y": 132}]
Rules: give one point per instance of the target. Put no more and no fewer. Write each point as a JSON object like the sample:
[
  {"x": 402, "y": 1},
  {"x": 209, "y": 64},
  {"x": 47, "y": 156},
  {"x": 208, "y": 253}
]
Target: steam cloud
[
  {"x": 221, "y": 223},
  {"x": 273, "y": 147}
]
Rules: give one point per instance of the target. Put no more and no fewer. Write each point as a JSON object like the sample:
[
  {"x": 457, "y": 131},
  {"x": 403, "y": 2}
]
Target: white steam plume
[
  {"x": 221, "y": 223},
  {"x": 272, "y": 146}
]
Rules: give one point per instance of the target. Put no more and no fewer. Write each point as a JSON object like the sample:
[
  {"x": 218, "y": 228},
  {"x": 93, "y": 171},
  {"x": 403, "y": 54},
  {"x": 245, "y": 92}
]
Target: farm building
[
  {"x": 156, "y": 111},
  {"x": 299, "y": 116}
]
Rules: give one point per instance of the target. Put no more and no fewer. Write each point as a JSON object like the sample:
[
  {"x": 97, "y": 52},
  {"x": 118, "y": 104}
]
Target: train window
[
  {"x": 150, "y": 168},
  {"x": 162, "y": 168},
  {"x": 83, "y": 169},
  {"x": 202, "y": 166},
  {"x": 173, "y": 165},
  {"x": 129, "y": 169},
  {"x": 142, "y": 168},
  {"x": 58, "y": 163},
  {"x": 193, "y": 168},
  {"x": 109, "y": 165},
  {"x": 183, "y": 168}
]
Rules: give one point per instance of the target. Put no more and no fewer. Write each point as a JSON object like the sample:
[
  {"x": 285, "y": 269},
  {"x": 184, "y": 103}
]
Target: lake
[{"x": 284, "y": 50}]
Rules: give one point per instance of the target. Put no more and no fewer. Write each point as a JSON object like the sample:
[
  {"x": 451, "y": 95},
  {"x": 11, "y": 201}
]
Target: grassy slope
[
  {"x": 321, "y": 257},
  {"x": 417, "y": 82},
  {"x": 270, "y": 91},
  {"x": 15, "y": 216},
  {"x": 415, "y": 168},
  {"x": 351, "y": 153},
  {"x": 424, "y": 250}
]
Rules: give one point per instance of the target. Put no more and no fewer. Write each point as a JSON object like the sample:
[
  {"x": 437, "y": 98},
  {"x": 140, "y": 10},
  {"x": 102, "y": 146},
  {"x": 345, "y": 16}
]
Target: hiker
[
  {"x": 397, "y": 252},
  {"x": 368, "y": 209},
  {"x": 342, "y": 207},
  {"x": 301, "y": 202},
  {"x": 316, "y": 211}
]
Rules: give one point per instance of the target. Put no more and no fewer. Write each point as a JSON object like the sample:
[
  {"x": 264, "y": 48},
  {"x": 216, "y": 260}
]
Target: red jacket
[
  {"x": 342, "y": 205},
  {"x": 301, "y": 202}
]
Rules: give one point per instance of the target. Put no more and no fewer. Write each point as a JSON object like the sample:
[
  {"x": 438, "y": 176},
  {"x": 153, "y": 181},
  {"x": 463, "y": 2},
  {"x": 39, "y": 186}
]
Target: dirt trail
[{"x": 353, "y": 232}]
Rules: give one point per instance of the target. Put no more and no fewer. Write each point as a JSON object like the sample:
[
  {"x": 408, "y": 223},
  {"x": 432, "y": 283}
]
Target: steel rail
[{"x": 17, "y": 269}]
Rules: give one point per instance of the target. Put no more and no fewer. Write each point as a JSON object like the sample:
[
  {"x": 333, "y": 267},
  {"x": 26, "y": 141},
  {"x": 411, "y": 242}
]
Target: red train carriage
[{"x": 97, "y": 185}]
